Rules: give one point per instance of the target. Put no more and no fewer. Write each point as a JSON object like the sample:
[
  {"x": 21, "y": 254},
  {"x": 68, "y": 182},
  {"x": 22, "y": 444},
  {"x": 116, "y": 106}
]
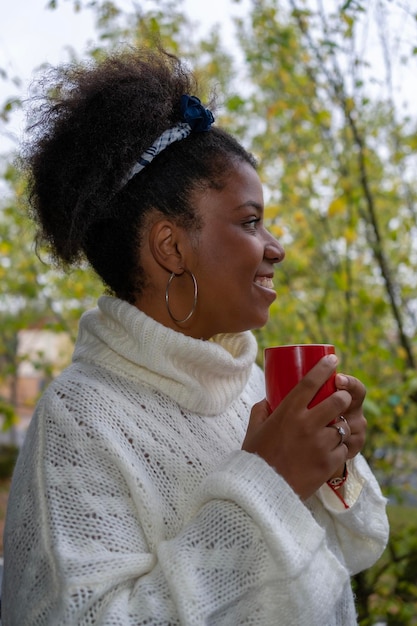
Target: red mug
[{"x": 285, "y": 366}]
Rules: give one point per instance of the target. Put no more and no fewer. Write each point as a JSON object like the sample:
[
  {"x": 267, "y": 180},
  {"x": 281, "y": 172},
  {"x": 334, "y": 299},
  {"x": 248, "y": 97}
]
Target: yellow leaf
[
  {"x": 271, "y": 211},
  {"x": 401, "y": 352},
  {"x": 336, "y": 207},
  {"x": 299, "y": 325},
  {"x": 299, "y": 217},
  {"x": 399, "y": 410},
  {"x": 276, "y": 230},
  {"x": 5, "y": 248},
  {"x": 350, "y": 235}
]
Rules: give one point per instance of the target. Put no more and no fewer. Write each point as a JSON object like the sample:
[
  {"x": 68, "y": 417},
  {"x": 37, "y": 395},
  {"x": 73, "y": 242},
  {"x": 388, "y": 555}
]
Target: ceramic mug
[{"x": 285, "y": 366}]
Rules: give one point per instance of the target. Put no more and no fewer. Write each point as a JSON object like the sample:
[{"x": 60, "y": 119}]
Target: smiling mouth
[{"x": 264, "y": 281}]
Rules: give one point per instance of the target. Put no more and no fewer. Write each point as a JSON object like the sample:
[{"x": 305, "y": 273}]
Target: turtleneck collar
[{"x": 202, "y": 376}]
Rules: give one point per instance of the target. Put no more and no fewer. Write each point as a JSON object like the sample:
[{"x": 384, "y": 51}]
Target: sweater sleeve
[
  {"x": 361, "y": 531},
  {"x": 90, "y": 540},
  {"x": 241, "y": 556},
  {"x": 263, "y": 545}
]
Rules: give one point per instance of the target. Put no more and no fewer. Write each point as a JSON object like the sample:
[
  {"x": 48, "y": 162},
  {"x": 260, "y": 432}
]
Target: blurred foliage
[
  {"x": 338, "y": 167},
  {"x": 8, "y": 456},
  {"x": 337, "y": 156},
  {"x": 387, "y": 592}
]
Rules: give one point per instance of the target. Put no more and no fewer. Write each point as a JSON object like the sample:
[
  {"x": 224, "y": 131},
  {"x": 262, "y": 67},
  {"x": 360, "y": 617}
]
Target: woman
[{"x": 154, "y": 487}]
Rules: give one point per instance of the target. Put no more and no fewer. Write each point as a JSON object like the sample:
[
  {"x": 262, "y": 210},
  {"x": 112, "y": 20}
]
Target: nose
[{"x": 273, "y": 251}]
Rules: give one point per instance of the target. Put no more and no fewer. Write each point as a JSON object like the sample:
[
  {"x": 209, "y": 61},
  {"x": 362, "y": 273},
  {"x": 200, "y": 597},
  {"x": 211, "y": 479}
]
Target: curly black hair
[{"x": 96, "y": 119}]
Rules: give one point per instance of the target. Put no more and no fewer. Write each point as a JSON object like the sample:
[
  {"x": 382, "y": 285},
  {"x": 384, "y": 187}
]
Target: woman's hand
[
  {"x": 354, "y": 414},
  {"x": 298, "y": 442}
]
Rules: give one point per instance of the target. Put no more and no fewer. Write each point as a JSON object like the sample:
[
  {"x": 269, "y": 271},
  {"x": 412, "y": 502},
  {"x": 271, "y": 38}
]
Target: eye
[{"x": 252, "y": 223}]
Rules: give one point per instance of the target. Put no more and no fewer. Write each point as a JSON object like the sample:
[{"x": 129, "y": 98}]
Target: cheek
[
  {"x": 214, "y": 256},
  {"x": 226, "y": 256}
]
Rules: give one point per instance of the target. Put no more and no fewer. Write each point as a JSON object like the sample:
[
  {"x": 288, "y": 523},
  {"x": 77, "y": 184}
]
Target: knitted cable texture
[{"x": 132, "y": 502}]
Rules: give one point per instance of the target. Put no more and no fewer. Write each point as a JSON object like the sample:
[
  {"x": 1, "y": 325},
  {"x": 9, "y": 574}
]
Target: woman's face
[{"x": 234, "y": 257}]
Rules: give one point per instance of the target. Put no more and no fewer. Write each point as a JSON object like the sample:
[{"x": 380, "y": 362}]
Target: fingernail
[
  {"x": 343, "y": 380},
  {"x": 332, "y": 358}
]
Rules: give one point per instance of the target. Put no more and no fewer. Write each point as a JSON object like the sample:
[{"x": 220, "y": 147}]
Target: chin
[
  {"x": 242, "y": 324},
  {"x": 259, "y": 322}
]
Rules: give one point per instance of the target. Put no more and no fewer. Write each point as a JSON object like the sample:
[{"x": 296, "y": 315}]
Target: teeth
[{"x": 265, "y": 282}]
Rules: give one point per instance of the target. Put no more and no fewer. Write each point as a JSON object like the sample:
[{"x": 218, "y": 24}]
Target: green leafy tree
[
  {"x": 34, "y": 293},
  {"x": 336, "y": 163},
  {"x": 337, "y": 159}
]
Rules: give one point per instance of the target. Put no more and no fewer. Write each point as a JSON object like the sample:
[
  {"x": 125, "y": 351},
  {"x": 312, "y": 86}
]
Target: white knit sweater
[{"x": 132, "y": 502}]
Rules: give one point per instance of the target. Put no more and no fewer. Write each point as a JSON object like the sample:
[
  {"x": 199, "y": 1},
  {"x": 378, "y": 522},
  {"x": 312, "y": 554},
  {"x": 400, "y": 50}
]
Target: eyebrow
[{"x": 250, "y": 204}]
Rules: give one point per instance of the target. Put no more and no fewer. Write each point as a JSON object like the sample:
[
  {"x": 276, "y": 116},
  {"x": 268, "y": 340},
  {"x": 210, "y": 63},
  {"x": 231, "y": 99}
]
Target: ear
[{"x": 166, "y": 243}]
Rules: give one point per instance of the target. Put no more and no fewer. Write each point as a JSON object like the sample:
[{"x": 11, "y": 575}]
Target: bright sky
[{"x": 31, "y": 35}]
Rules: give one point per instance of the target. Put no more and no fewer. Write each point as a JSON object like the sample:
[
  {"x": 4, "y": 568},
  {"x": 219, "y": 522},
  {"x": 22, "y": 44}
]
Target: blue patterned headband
[{"x": 196, "y": 118}]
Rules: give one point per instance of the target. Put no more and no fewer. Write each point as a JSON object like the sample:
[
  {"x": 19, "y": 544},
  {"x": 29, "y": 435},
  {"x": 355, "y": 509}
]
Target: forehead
[{"x": 242, "y": 189}]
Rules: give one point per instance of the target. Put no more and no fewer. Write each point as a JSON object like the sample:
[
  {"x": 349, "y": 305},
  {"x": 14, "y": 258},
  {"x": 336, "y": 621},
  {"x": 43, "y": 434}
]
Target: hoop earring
[{"x": 191, "y": 313}]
